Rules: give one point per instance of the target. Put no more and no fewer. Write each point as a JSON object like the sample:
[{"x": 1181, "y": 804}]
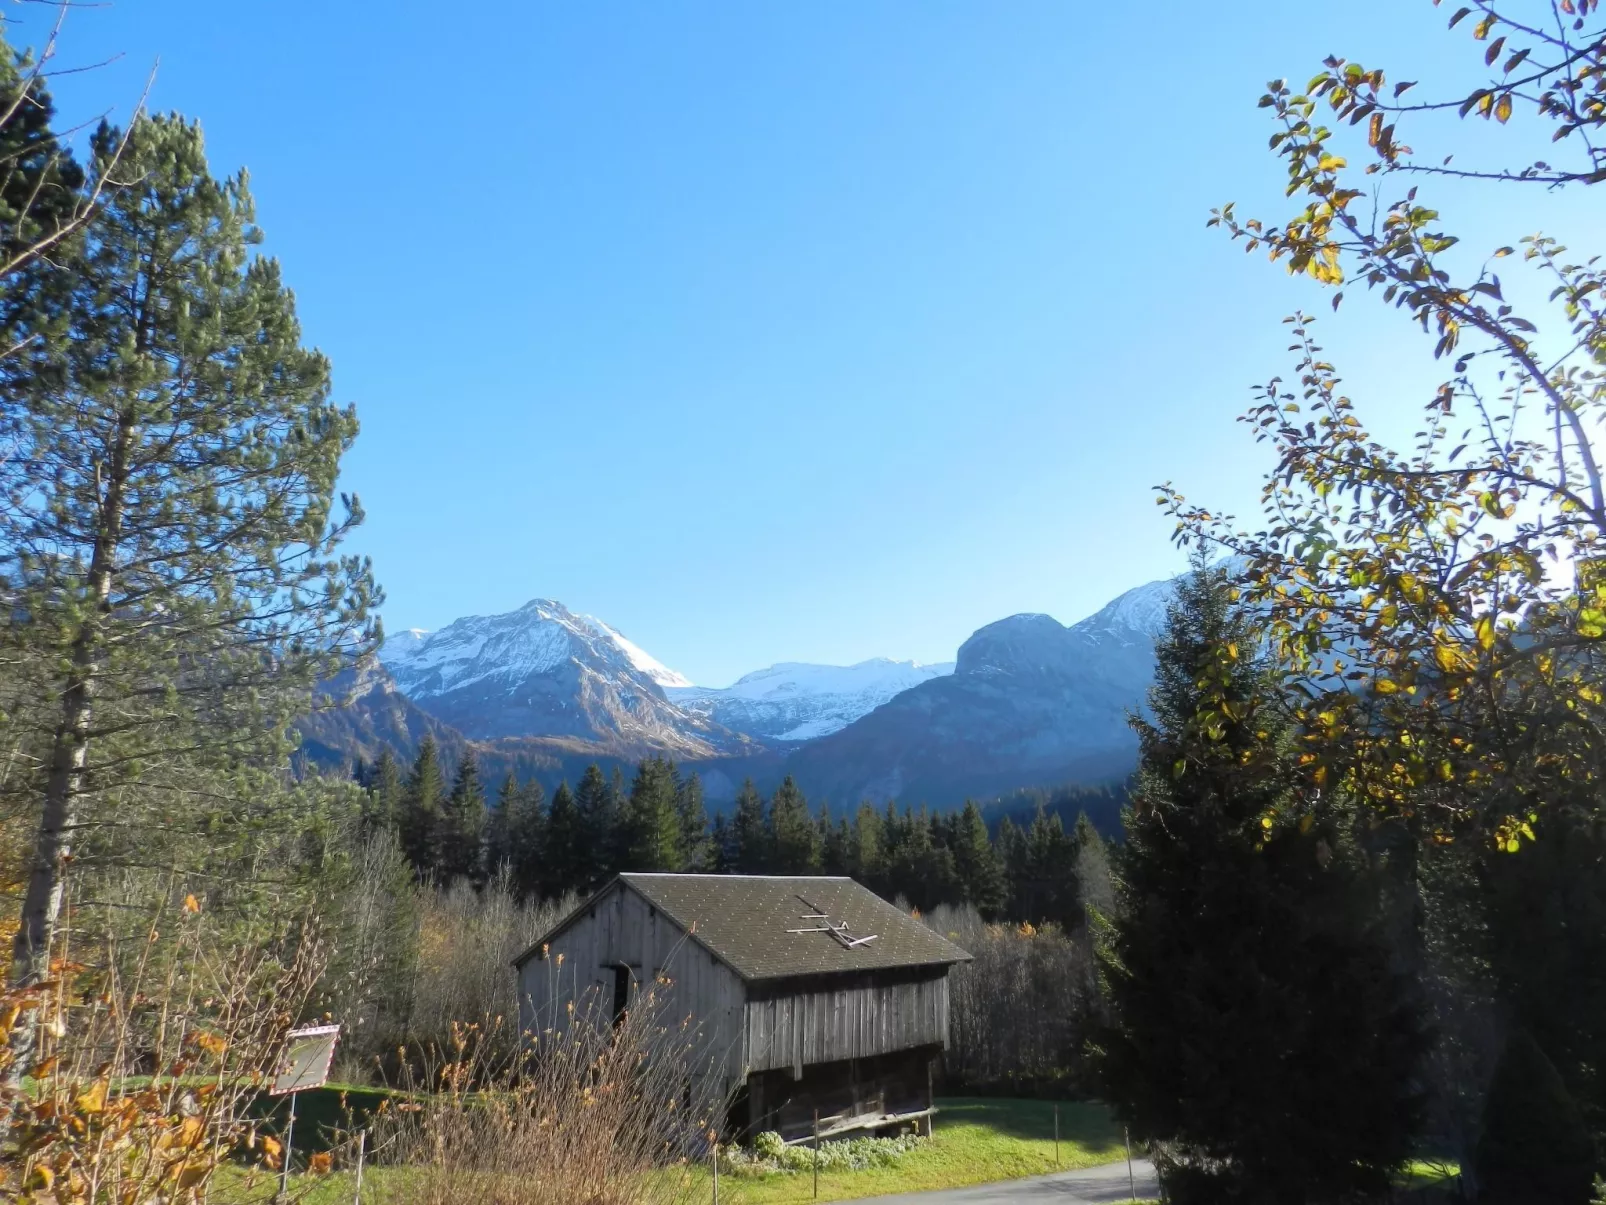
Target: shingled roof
[{"x": 746, "y": 921}]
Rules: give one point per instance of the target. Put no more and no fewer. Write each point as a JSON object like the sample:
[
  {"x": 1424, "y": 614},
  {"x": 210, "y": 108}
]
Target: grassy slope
[{"x": 977, "y": 1141}]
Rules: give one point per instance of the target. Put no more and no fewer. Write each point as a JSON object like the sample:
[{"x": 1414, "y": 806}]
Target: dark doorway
[{"x": 621, "y": 992}]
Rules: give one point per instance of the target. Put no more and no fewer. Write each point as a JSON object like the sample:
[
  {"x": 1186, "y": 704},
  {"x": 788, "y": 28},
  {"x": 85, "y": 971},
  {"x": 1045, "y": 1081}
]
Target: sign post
[{"x": 304, "y": 1064}]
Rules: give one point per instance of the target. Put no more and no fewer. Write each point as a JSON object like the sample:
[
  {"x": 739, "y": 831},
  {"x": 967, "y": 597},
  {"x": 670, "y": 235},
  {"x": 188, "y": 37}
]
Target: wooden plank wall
[
  {"x": 622, "y": 928},
  {"x": 855, "y": 1021}
]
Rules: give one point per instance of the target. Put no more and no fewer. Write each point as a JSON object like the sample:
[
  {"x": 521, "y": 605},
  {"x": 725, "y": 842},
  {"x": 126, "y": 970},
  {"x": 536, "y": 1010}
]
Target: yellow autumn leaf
[
  {"x": 94, "y": 1100},
  {"x": 1485, "y": 631},
  {"x": 191, "y": 904}
]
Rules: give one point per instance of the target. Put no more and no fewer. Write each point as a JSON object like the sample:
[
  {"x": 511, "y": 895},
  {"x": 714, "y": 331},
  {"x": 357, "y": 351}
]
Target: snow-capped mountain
[
  {"x": 544, "y": 671},
  {"x": 797, "y": 701},
  {"x": 543, "y": 690}
]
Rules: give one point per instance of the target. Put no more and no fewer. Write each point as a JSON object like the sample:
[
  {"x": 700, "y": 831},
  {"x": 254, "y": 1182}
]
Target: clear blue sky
[{"x": 774, "y": 331}]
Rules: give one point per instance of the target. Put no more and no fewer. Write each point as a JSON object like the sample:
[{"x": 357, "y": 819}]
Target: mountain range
[{"x": 542, "y": 691}]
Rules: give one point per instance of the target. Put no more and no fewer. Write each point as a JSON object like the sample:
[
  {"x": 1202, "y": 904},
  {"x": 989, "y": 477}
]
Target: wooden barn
[{"x": 805, "y": 993}]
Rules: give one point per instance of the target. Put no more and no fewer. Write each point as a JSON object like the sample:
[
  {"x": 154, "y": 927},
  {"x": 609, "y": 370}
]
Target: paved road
[{"x": 1085, "y": 1187}]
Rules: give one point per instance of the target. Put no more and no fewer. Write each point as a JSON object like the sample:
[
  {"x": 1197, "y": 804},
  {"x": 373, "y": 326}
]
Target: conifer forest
[{"x": 1312, "y": 909}]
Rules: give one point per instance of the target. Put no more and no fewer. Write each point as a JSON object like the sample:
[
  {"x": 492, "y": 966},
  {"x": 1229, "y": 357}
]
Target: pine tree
[
  {"x": 168, "y": 506},
  {"x": 422, "y": 800},
  {"x": 696, "y": 856},
  {"x": 460, "y": 843},
  {"x": 980, "y": 873},
  {"x": 750, "y": 836},
  {"x": 793, "y": 839},
  {"x": 1259, "y": 1032},
  {"x": 43, "y": 200},
  {"x": 598, "y": 850},
  {"x": 563, "y": 864},
  {"x": 651, "y": 821}
]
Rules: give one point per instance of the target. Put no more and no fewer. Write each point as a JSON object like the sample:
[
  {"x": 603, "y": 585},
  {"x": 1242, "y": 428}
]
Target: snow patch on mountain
[
  {"x": 1138, "y": 615},
  {"x": 640, "y": 658},
  {"x": 798, "y": 701}
]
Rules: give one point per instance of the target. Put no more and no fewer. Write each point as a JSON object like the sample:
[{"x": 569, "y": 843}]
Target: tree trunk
[{"x": 47, "y": 876}]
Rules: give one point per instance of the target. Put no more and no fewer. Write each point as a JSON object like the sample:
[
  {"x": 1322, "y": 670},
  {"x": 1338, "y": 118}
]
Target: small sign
[{"x": 307, "y": 1055}]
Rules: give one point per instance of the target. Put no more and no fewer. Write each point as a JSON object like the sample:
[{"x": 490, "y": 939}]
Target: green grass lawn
[{"x": 976, "y": 1140}]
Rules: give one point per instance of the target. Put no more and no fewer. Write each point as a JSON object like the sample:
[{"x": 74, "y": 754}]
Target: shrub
[
  {"x": 137, "y": 1093},
  {"x": 771, "y": 1156},
  {"x": 579, "y": 1113}
]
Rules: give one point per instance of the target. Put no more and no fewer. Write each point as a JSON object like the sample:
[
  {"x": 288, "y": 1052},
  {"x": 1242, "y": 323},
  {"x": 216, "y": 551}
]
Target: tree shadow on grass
[{"x": 1083, "y": 1122}]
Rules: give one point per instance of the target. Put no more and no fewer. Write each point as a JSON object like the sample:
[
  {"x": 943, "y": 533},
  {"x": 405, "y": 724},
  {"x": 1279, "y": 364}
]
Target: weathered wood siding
[
  {"x": 801, "y": 1022},
  {"x": 622, "y": 929}
]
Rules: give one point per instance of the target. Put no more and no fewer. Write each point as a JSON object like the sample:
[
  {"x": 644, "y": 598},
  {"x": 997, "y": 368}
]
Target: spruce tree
[
  {"x": 383, "y": 799},
  {"x": 563, "y": 865},
  {"x": 750, "y": 835},
  {"x": 499, "y": 826},
  {"x": 918, "y": 866},
  {"x": 1045, "y": 881},
  {"x": 169, "y": 510},
  {"x": 460, "y": 844},
  {"x": 1260, "y": 1038},
  {"x": 864, "y": 850},
  {"x": 1535, "y": 1145},
  {"x": 834, "y": 842},
  {"x": 1010, "y": 843},
  {"x": 721, "y": 848},
  {"x": 793, "y": 840},
  {"x": 651, "y": 820},
  {"x": 423, "y": 797},
  {"x": 598, "y": 850},
  {"x": 1095, "y": 889},
  {"x": 694, "y": 846},
  {"x": 980, "y": 873},
  {"x": 527, "y": 839}
]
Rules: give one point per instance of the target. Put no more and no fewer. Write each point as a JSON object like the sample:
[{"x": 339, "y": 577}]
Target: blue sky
[{"x": 776, "y": 331}]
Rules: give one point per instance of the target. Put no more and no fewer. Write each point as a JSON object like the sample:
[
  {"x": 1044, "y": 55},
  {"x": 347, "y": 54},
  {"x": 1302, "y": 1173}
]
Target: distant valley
[{"x": 543, "y": 691}]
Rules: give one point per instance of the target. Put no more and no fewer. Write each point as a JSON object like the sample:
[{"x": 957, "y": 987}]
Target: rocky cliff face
[{"x": 363, "y": 711}]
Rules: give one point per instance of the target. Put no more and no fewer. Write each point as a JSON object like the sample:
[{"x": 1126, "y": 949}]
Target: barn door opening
[{"x": 621, "y": 993}]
